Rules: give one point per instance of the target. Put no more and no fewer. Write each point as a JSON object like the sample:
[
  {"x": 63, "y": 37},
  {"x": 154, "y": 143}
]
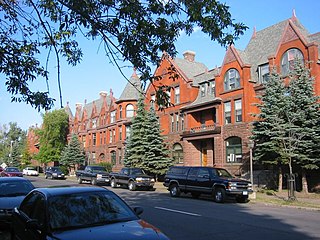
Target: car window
[
  {"x": 193, "y": 172},
  {"x": 137, "y": 171},
  {"x": 28, "y": 204},
  {"x": 203, "y": 172},
  {"x": 78, "y": 210},
  {"x": 98, "y": 169},
  {"x": 223, "y": 173},
  {"x": 15, "y": 188}
]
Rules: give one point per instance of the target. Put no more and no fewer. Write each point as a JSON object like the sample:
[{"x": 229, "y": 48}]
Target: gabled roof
[
  {"x": 190, "y": 68},
  {"x": 132, "y": 89},
  {"x": 88, "y": 107}
]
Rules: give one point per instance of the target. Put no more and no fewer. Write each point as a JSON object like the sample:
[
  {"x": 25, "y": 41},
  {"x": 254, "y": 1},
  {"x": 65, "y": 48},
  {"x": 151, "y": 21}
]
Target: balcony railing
[{"x": 202, "y": 130}]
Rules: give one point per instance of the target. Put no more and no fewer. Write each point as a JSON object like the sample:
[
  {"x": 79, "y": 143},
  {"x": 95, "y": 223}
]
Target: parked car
[
  {"x": 11, "y": 172},
  {"x": 80, "y": 213},
  {"x": 217, "y": 182},
  {"x": 30, "y": 171},
  {"x": 94, "y": 174},
  {"x": 12, "y": 192},
  {"x": 132, "y": 178},
  {"x": 54, "y": 173}
]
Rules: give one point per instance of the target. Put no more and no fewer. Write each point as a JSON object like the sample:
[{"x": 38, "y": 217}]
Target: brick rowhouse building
[{"x": 210, "y": 121}]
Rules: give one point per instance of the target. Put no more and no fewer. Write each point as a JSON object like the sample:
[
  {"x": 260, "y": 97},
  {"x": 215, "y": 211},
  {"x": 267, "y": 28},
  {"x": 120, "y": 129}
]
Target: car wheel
[
  {"x": 51, "y": 176},
  {"x": 79, "y": 180},
  {"x": 219, "y": 195},
  {"x": 174, "y": 190},
  {"x": 131, "y": 186},
  {"x": 46, "y": 176},
  {"x": 93, "y": 181},
  {"x": 113, "y": 183}
]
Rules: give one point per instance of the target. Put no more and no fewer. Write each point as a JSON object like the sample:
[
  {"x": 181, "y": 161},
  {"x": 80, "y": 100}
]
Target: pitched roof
[
  {"x": 132, "y": 89},
  {"x": 190, "y": 68}
]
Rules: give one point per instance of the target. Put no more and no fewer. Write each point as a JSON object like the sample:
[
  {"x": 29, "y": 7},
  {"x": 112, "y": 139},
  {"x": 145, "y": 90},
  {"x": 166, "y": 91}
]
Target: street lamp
[{"x": 251, "y": 146}]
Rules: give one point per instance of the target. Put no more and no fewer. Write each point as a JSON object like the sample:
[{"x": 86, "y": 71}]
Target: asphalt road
[{"x": 185, "y": 218}]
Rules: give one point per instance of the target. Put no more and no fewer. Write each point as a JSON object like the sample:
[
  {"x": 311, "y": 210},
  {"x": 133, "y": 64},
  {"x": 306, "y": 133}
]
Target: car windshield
[
  {"x": 102, "y": 169},
  {"x": 15, "y": 188},
  {"x": 55, "y": 170},
  {"x": 11, "y": 169},
  {"x": 137, "y": 171},
  {"x": 31, "y": 168},
  {"x": 79, "y": 210},
  {"x": 224, "y": 173}
]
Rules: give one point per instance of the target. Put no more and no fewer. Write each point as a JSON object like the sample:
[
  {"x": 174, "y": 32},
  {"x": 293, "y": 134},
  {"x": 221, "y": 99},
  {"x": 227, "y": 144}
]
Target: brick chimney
[
  {"x": 189, "y": 55},
  {"x": 103, "y": 94}
]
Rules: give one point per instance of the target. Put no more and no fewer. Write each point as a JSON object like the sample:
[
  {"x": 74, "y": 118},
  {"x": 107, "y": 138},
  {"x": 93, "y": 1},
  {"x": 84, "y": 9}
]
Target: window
[
  {"x": 94, "y": 139},
  {"x": 288, "y": 58},
  {"x": 231, "y": 79},
  {"x": 120, "y": 112},
  {"x": 172, "y": 122},
  {"x": 263, "y": 72},
  {"x": 177, "y": 122},
  {"x": 153, "y": 100},
  {"x": 182, "y": 121},
  {"x": 120, "y": 132},
  {"x": 114, "y": 135},
  {"x": 128, "y": 130},
  {"x": 227, "y": 112},
  {"x": 233, "y": 150},
  {"x": 212, "y": 88},
  {"x": 238, "y": 110},
  {"x": 177, "y": 153},
  {"x": 203, "y": 89},
  {"x": 177, "y": 95},
  {"x": 113, "y": 157},
  {"x": 129, "y": 111},
  {"x": 120, "y": 156},
  {"x": 110, "y": 136},
  {"x": 113, "y": 117}
]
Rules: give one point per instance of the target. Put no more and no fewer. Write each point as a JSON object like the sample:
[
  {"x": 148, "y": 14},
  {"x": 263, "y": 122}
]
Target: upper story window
[
  {"x": 203, "y": 89},
  {"x": 177, "y": 95},
  {"x": 231, "y": 79},
  {"x": 113, "y": 117},
  {"x": 212, "y": 88},
  {"x": 129, "y": 111},
  {"x": 288, "y": 58},
  {"x": 238, "y": 110},
  {"x": 128, "y": 131},
  {"x": 153, "y": 100},
  {"x": 227, "y": 112},
  {"x": 120, "y": 112},
  {"x": 172, "y": 122},
  {"x": 264, "y": 73},
  {"x": 94, "y": 139}
]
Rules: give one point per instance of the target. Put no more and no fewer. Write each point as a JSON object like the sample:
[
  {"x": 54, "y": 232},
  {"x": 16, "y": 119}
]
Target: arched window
[
  {"x": 177, "y": 153},
  {"x": 113, "y": 158},
  {"x": 231, "y": 79},
  {"x": 233, "y": 150},
  {"x": 129, "y": 111},
  {"x": 287, "y": 60}
]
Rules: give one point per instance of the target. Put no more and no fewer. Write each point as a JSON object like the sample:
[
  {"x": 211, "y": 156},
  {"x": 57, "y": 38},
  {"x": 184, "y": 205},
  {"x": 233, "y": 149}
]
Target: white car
[{"x": 30, "y": 171}]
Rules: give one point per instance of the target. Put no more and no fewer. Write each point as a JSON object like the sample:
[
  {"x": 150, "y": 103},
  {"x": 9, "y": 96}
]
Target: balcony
[{"x": 201, "y": 132}]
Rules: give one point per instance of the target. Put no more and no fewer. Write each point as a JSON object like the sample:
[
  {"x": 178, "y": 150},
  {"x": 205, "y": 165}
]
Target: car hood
[
  {"x": 132, "y": 230},
  {"x": 142, "y": 175},
  {"x": 10, "y": 202},
  {"x": 101, "y": 172}
]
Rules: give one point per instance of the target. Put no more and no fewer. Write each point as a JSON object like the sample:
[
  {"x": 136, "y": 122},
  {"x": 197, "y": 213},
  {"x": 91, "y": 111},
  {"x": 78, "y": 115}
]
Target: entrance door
[{"x": 204, "y": 157}]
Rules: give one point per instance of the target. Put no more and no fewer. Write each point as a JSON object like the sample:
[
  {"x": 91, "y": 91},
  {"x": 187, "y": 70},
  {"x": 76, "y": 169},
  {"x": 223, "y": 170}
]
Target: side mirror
[{"x": 138, "y": 210}]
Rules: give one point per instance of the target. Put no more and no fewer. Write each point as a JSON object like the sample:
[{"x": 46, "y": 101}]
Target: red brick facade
[{"x": 209, "y": 123}]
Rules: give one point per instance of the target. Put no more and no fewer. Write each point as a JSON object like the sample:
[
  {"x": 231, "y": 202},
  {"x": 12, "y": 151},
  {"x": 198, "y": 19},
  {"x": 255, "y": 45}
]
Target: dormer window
[
  {"x": 231, "y": 79},
  {"x": 203, "y": 89},
  {"x": 264, "y": 73},
  {"x": 212, "y": 88},
  {"x": 287, "y": 60}
]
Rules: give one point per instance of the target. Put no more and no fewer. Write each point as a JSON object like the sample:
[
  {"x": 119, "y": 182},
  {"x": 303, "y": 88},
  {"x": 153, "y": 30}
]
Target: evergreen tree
[
  {"x": 135, "y": 150},
  {"x": 72, "y": 154},
  {"x": 305, "y": 115},
  {"x": 15, "y": 156},
  {"x": 157, "y": 160},
  {"x": 287, "y": 130}
]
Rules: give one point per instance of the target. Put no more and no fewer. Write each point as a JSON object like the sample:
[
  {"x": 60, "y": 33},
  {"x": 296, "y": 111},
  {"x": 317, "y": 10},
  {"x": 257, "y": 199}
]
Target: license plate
[{"x": 244, "y": 193}]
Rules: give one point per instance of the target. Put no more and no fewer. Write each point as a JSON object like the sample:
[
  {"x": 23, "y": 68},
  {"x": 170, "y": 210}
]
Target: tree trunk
[
  {"x": 304, "y": 181},
  {"x": 280, "y": 182}
]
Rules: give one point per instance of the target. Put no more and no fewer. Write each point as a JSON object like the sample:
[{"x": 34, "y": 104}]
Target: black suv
[
  {"x": 217, "y": 182},
  {"x": 54, "y": 173}
]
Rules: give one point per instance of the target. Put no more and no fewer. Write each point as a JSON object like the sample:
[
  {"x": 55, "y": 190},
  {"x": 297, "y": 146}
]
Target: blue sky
[{"x": 95, "y": 73}]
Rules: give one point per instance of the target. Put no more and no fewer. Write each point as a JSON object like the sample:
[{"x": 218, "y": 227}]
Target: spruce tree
[
  {"x": 157, "y": 160},
  {"x": 135, "y": 149},
  {"x": 72, "y": 154},
  {"x": 304, "y": 112}
]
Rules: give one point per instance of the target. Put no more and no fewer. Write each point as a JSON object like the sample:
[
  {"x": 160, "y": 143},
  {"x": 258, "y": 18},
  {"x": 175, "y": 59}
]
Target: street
[{"x": 186, "y": 218}]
